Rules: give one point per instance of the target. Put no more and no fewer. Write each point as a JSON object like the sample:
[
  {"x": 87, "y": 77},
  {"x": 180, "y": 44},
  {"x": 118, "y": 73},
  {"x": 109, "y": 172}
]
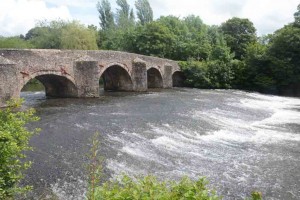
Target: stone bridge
[{"x": 76, "y": 73}]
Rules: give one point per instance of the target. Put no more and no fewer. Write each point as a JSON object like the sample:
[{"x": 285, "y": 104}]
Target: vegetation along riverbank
[{"x": 227, "y": 56}]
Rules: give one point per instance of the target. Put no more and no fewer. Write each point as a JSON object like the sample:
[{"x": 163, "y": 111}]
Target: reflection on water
[{"x": 240, "y": 141}]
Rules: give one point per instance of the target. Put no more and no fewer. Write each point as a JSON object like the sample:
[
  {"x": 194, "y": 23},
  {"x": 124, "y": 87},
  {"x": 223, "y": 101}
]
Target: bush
[
  {"x": 14, "y": 138},
  {"x": 256, "y": 195},
  {"x": 207, "y": 74},
  {"x": 14, "y": 42},
  {"x": 196, "y": 74},
  {"x": 150, "y": 188}
]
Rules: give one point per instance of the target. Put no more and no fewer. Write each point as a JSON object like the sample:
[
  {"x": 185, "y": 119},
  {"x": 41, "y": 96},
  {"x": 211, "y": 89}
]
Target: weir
[{"x": 76, "y": 73}]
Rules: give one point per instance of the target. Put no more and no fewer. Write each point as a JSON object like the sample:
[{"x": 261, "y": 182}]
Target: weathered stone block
[
  {"x": 86, "y": 76},
  {"x": 168, "y": 76},
  {"x": 139, "y": 75},
  {"x": 8, "y": 82}
]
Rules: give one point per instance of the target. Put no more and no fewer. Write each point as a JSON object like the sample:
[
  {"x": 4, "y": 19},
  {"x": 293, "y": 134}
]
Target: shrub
[
  {"x": 207, "y": 74},
  {"x": 94, "y": 167},
  {"x": 14, "y": 138},
  {"x": 196, "y": 74},
  {"x": 150, "y": 188},
  {"x": 14, "y": 42},
  {"x": 256, "y": 195}
]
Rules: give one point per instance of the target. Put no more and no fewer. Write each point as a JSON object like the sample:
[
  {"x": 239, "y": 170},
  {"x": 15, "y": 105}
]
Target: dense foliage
[
  {"x": 230, "y": 55},
  {"x": 210, "y": 75},
  {"x": 150, "y": 188},
  {"x": 62, "y": 35},
  {"x": 14, "y": 138},
  {"x": 239, "y": 33},
  {"x": 14, "y": 42}
]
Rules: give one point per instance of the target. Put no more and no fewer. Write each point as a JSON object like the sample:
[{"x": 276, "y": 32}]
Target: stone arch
[
  {"x": 56, "y": 84},
  {"x": 116, "y": 77},
  {"x": 154, "y": 78},
  {"x": 178, "y": 79}
]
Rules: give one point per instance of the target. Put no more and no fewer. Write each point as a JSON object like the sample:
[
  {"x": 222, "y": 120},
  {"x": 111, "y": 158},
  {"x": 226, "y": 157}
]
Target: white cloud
[
  {"x": 18, "y": 16},
  {"x": 270, "y": 15},
  {"x": 74, "y": 3},
  {"x": 267, "y": 15}
]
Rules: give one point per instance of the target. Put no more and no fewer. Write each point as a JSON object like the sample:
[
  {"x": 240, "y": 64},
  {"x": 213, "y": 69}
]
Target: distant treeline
[{"x": 227, "y": 56}]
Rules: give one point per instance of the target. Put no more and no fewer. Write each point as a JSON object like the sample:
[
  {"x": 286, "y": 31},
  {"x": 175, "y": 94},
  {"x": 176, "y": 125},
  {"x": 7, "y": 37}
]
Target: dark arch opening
[
  {"x": 116, "y": 78},
  {"x": 53, "y": 85},
  {"x": 154, "y": 78},
  {"x": 178, "y": 79}
]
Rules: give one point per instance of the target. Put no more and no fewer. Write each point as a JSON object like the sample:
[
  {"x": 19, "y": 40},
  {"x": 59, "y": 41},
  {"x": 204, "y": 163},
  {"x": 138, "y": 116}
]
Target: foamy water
[
  {"x": 240, "y": 141},
  {"x": 185, "y": 150}
]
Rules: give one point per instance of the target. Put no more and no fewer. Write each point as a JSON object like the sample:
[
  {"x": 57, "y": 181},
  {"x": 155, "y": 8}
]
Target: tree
[
  {"x": 113, "y": 36},
  {"x": 194, "y": 23},
  {"x": 197, "y": 40},
  {"x": 14, "y": 141},
  {"x": 239, "y": 33},
  {"x": 105, "y": 15},
  {"x": 124, "y": 8},
  {"x": 196, "y": 74},
  {"x": 144, "y": 11},
  {"x": 180, "y": 33},
  {"x": 77, "y": 36},
  {"x": 46, "y": 35},
  {"x": 284, "y": 51},
  {"x": 190, "y": 38},
  {"x": 153, "y": 39},
  {"x": 220, "y": 74},
  {"x": 297, "y": 17},
  {"x": 258, "y": 73},
  {"x": 219, "y": 48},
  {"x": 125, "y": 15},
  {"x": 62, "y": 35},
  {"x": 125, "y": 26},
  {"x": 14, "y": 42}
]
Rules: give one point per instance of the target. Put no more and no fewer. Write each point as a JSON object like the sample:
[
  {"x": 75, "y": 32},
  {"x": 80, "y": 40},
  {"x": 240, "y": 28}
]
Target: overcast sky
[{"x": 18, "y": 16}]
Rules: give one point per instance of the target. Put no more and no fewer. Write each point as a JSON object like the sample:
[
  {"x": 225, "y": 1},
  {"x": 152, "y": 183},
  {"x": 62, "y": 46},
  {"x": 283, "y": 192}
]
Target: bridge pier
[
  {"x": 168, "y": 82},
  {"x": 139, "y": 75},
  {"x": 86, "y": 76},
  {"x": 8, "y": 81}
]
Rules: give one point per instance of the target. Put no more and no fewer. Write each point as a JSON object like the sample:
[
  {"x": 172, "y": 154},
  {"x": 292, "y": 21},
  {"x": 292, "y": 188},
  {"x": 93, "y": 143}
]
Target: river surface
[{"x": 240, "y": 141}]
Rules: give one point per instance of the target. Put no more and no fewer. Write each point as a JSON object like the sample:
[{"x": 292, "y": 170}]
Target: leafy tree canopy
[
  {"x": 144, "y": 11},
  {"x": 62, "y": 35},
  {"x": 105, "y": 14},
  {"x": 297, "y": 17},
  {"x": 238, "y": 33}
]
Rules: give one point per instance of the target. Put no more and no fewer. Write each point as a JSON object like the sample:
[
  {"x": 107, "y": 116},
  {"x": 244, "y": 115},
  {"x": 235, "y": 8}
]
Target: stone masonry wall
[{"x": 82, "y": 68}]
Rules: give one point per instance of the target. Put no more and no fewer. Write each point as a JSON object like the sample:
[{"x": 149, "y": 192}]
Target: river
[{"x": 240, "y": 141}]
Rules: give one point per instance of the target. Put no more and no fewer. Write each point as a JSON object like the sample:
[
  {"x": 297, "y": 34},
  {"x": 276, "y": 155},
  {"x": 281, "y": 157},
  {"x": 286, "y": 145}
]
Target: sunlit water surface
[{"x": 240, "y": 141}]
